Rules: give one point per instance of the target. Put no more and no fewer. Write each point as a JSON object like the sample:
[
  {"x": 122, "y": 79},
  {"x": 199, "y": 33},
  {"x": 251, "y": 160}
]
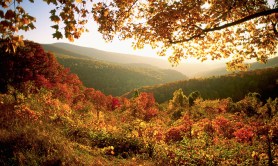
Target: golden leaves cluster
[
  {"x": 73, "y": 15},
  {"x": 229, "y": 29}
]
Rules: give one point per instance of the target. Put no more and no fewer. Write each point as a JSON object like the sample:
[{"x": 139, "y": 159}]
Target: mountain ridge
[{"x": 113, "y": 78}]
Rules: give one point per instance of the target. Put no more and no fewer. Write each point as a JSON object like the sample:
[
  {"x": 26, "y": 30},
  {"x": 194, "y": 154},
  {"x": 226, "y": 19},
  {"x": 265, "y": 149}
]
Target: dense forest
[
  {"x": 48, "y": 117},
  {"x": 236, "y": 86}
]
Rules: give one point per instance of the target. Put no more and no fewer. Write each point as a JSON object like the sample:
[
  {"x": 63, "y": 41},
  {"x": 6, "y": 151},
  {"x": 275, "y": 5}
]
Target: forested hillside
[
  {"x": 115, "y": 79},
  {"x": 236, "y": 86}
]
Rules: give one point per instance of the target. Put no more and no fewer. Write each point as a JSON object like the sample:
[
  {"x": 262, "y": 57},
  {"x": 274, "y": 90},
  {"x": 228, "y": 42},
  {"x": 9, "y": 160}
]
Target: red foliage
[
  {"x": 88, "y": 92},
  {"x": 178, "y": 132},
  {"x": 244, "y": 134},
  {"x": 115, "y": 103},
  {"x": 125, "y": 103},
  {"x": 145, "y": 106},
  {"x": 150, "y": 113},
  {"x": 223, "y": 127},
  {"x": 96, "y": 97},
  {"x": 42, "y": 81},
  {"x": 24, "y": 112},
  {"x": 145, "y": 100},
  {"x": 24, "y": 65},
  {"x": 31, "y": 63}
]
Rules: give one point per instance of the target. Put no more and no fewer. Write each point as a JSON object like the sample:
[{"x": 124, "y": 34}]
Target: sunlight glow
[{"x": 206, "y": 6}]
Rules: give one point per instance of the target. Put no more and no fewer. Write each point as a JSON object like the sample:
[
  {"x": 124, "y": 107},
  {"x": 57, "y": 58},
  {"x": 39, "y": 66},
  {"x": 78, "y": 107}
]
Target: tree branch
[{"x": 247, "y": 18}]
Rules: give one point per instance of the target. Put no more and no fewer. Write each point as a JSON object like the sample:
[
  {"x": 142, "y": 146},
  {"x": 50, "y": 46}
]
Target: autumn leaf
[
  {"x": 55, "y": 18},
  {"x": 9, "y": 14},
  {"x": 57, "y": 35},
  {"x": 105, "y": 13}
]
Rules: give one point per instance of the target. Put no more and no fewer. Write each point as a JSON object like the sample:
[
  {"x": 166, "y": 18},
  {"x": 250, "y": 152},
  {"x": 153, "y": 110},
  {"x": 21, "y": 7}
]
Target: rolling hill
[{"x": 114, "y": 78}]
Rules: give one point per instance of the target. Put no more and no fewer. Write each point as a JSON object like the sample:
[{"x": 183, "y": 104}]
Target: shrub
[
  {"x": 179, "y": 100},
  {"x": 123, "y": 146}
]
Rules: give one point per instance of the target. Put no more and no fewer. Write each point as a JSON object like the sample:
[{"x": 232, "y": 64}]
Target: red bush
[
  {"x": 244, "y": 134},
  {"x": 144, "y": 106}
]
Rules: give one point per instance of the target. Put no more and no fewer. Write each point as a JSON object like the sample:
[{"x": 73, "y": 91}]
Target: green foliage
[
  {"x": 121, "y": 146},
  {"x": 192, "y": 97},
  {"x": 179, "y": 100},
  {"x": 136, "y": 94},
  {"x": 249, "y": 105}
]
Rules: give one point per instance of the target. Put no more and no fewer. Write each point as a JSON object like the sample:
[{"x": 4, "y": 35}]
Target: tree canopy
[{"x": 237, "y": 30}]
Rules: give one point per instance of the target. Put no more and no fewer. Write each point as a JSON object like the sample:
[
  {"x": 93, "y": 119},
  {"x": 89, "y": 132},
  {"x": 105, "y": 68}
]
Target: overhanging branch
[{"x": 247, "y": 18}]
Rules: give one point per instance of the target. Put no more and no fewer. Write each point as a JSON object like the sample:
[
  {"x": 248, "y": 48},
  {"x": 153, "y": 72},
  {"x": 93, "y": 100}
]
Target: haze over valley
[{"x": 190, "y": 69}]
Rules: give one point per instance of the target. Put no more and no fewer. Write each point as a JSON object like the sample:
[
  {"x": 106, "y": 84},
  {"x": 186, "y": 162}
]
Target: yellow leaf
[
  {"x": 78, "y": 1},
  {"x": 105, "y": 13},
  {"x": 70, "y": 38}
]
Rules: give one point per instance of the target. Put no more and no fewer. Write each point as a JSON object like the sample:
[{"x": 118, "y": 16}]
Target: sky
[{"x": 43, "y": 33}]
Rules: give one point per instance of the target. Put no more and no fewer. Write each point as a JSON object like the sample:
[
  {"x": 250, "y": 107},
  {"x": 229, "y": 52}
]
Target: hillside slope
[
  {"x": 115, "y": 79},
  {"x": 236, "y": 86}
]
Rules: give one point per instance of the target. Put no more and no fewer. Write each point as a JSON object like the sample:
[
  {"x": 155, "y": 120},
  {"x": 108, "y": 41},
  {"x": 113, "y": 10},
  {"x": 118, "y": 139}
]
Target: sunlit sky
[{"x": 43, "y": 33}]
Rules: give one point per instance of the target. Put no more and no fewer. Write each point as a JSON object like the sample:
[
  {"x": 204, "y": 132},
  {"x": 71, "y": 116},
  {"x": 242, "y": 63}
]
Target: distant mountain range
[
  {"x": 189, "y": 69},
  {"x": 97, "y": 70}
]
